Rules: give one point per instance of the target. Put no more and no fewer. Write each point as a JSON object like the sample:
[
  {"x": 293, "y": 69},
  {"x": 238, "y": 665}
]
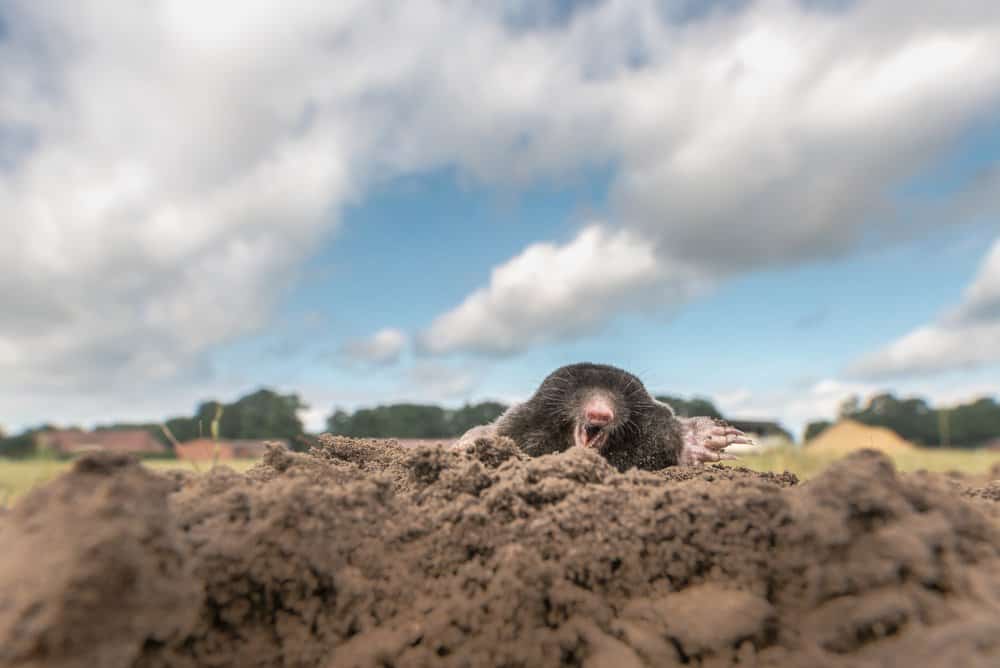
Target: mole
[{"x": 608, "y": 410}]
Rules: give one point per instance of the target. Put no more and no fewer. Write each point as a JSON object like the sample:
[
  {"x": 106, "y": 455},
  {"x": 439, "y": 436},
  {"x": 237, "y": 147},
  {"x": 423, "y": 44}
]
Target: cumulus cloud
[
  {"x": 794, "y": 127},
  {"x": 165, "y": 167},
  {"x": 966, "y": 336},
  {"x": 762, "y": 137},
  {"x": 981, "y": 302},
  {"x": 551, "y": 291},
  {"x": 381, "y": 348},
  {"x": 170, "y": 190}
]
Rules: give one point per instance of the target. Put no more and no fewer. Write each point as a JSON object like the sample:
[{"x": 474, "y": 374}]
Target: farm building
[
  {"x": 206, "y": 448},
  {"x": 72, "y": 441}
]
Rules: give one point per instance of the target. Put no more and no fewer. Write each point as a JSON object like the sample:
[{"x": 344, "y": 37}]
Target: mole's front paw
[{"x": 705, "y": 439}]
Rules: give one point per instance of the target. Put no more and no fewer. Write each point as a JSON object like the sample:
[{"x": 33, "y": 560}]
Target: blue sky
[
  {"x": 417, "y": 247},
  {"x": 775, "y": 204}
]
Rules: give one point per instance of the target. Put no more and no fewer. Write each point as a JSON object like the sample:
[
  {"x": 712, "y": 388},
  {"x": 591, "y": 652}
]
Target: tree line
[
  {"x": 412, "y": 420},
  {"x": 259, "y": 415},
  {"x": 268, "y": 414},
  {"x": 967, "y": 425},
  {"x": 430, "y": 421}
]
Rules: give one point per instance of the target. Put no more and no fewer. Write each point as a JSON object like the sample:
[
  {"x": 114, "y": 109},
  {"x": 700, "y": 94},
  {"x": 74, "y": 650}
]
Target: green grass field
[{"x": 18, "y": 476}]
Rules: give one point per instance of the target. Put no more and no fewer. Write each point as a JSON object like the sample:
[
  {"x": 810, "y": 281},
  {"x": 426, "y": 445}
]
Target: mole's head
[{"x": 594, "y": 405}]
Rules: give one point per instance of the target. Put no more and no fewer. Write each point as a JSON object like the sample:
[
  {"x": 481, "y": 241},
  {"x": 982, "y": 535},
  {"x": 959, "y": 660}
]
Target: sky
[{"x": 774, "y": 204}]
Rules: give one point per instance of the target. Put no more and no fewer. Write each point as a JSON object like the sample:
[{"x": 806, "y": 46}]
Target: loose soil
[{"x": 366, "y": 553}]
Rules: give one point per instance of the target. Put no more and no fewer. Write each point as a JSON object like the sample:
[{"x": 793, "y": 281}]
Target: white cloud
[
  {"x": 170, "y": 193},
  {"x": 749, "y": 139},
  {"x": 314, "y": 418},
  {"x": 166, "y": 167},
  {"x": 966, "y": 336},
  {"x": 552, "y": 291},
  {"x": 794, "y": 408},
  {"x": 934, "y": 348},
  {"x": 381, "y": 348},
  {"x": 981, "y": 302},
  {"x": 431, "y": 381}
]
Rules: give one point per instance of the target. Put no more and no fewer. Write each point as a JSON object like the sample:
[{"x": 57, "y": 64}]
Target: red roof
[
  {"x": 68, "y": 441},
  {"x": 240, "y": 448}
]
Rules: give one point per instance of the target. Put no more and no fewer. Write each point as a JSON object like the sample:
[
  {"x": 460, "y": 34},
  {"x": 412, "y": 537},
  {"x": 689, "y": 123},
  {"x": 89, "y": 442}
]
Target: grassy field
[
  {"x": 18, "y": 476},
  {"x": 806, "y": 464}
]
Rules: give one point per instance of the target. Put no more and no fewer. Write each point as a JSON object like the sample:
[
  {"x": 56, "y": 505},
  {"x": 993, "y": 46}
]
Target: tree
[
  {"x": 17, "y": 447},
  {"x": 691, "y": 407},
  {"x": 396, "y": 420},
  {"x": 412, "y": 420},
  {"x": 973, "y": 423},
  {"x": 340, "y": 422},
  {"x": 183, "y": 428},
  {"x": 964, "y": 426},
  {"x": 911, "y": 418},
  {"x": 260, "y": 415},
  {"x": 849, "y": 406},
  {"x": 473, "y": 415},
  {"x": 23, "y": 444},
  {"x": 814, "y": 429},
  {"x": 263, "y": 414},
  {"x": 198, "y": 426}
]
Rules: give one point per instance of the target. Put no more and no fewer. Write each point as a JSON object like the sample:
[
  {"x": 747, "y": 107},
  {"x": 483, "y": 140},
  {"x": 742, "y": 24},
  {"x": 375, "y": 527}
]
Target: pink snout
[{"x": 598, "y": 413}]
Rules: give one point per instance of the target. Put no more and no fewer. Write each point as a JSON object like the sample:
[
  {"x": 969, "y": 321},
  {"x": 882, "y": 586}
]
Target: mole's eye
[{"x": 592, "y": 430}]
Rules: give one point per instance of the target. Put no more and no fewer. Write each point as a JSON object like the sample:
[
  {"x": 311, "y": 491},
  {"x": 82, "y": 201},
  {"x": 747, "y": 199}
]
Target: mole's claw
[
  {"x": 710, "y": 457},
  {"x": 717, "y": 442},
  {"x": 706, "y": 439}
]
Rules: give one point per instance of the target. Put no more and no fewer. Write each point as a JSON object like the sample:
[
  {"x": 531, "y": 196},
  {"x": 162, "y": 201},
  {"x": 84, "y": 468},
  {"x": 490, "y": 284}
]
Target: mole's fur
[{"x": 609, "y": 410}]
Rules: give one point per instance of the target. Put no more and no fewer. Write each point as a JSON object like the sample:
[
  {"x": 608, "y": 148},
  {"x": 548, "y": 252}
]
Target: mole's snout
[
  {"x": 591, "y": 431},
  {"x": 599, "y": 414}
]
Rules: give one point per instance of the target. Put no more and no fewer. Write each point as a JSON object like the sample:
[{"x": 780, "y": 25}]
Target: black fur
[{"x": 644, "y": 434}]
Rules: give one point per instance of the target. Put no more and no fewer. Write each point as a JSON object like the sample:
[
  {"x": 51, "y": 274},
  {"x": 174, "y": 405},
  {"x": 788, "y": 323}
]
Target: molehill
[{"x": 365, "y": 553}]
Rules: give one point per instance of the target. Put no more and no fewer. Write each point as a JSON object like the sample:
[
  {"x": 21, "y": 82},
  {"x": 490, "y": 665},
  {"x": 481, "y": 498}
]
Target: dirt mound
[
  {"x": 850, "y": 435},
  {"x": 93, "y": 568},
  {"x": 365, "y": 553}
]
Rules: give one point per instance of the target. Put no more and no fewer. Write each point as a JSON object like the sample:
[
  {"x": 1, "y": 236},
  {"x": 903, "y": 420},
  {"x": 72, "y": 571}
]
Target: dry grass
[
  {"x": 19, "y": 476},
  {"x": 806, "y": 464}
]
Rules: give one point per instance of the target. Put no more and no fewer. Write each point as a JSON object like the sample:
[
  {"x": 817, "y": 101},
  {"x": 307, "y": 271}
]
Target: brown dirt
[{"x": 365, "y": 553}]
